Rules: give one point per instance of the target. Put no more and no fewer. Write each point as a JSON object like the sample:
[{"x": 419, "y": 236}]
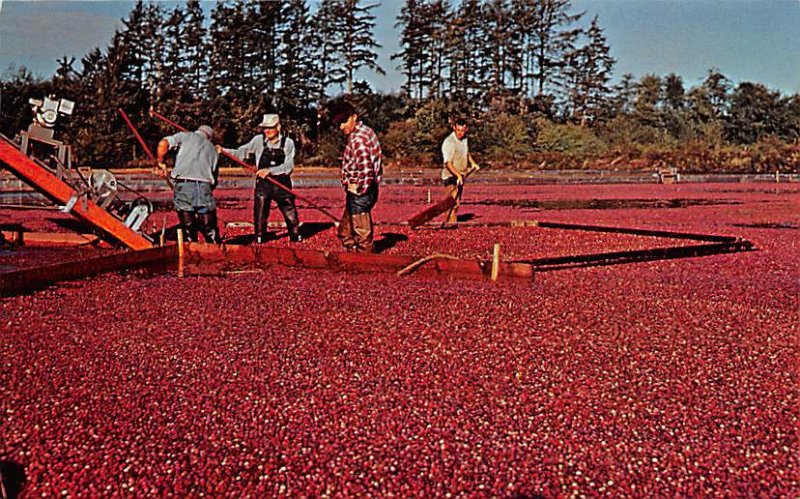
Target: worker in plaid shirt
[{"x": 361, "y": 175}]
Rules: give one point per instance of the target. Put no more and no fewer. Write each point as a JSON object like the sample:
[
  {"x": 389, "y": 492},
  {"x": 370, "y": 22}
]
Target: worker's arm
[
  {"x": 472, "y": 162},
  {"x": 244, "y": 151},
  {"x": 162, "y": 150}
]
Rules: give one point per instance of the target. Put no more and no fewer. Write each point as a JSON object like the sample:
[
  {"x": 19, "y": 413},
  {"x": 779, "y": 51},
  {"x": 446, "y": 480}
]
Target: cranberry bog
[{"x": 667, "y": 375}]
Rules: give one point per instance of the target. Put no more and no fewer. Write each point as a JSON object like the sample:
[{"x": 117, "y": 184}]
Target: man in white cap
[
  {"x": 194, "y": 177},
  {"x": 274, "y": 154}
]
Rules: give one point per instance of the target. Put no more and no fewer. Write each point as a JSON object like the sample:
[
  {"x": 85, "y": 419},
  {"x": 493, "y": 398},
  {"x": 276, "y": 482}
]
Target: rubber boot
[
  {"x": 208, "y": 222},
  {"x": 188, "y": 220},
  {"x": 345, "y": 231},
  {"x": 362, "y": 227},
  {"x": 292, "y": 220},
  {"x": 260, "y": 217}
]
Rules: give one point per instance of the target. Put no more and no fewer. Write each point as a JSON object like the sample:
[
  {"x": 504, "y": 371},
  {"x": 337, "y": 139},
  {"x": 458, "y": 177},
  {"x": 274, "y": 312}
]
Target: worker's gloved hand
[
  {"x": 459, "y": 181},
  {"x": 352, "y": 189},
  {"x": 262, "y": 173},
  {"x": 218, "y": 148}
]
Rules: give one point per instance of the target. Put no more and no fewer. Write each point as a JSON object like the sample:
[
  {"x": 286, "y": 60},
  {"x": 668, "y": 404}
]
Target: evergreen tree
[
  {"x": 755, "y": 113},
  {"x": 549, "y": 38},
  {"x": 707, "y": 104},
  {"x": 674, "y": 107},
  {"x": 424, "y": 51},
  {"x": 464, "y": 45},
  {"x": 296, "y": 71},
  {"x": 323, "y": 39},
  {"x": 263, "y": 50},
  {"x": 622, "y": 97},
  {"x": 17, "y": 86},
  {"x": 144, "y": 38},
  {"x": 790, "y": 118},
  {"x": 354, "y": 41},
  {"x": 717, "y": 88},
  {"x": 174, "y": 56},
  {"x": 196, "y": 51},
  {"x": 413, "y": 23},
  {"x": 497, "y": 46},
  {"x": 674, "y": 93},
  {"x": 647, "y": 106},
  {"x": 437, "y": 14},
  {"x": 101, "y": 136},
  {"x": 228, "y": 51},
  {"x": 587, "y": 75}
]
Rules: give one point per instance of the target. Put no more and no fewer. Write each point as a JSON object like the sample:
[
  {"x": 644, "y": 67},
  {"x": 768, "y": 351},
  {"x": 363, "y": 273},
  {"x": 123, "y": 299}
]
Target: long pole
[
  {"x": 252, "y": 168},
  {"x": 142, "y": 142}
]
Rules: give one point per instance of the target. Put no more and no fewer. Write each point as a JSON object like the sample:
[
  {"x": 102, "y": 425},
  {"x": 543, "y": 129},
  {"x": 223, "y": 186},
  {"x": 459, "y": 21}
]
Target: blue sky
[{"x": 747, "y": 40}]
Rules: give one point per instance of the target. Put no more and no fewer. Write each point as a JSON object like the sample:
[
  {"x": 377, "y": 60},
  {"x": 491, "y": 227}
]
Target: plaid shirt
[{"x": 361, "y": 161}]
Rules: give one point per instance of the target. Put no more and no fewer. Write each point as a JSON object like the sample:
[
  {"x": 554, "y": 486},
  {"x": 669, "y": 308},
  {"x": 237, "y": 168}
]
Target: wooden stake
[
  {"x": 495, "y": 261},
  {"x": 180, "y": 252}
]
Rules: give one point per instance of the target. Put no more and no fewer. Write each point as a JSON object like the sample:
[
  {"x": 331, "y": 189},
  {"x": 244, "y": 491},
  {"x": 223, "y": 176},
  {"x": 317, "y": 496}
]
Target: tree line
[{"x": 535, "y": 75}]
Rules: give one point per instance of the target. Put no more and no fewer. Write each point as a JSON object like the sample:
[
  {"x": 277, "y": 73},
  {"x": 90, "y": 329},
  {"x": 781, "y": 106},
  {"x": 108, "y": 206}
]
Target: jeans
[
  {"x": 192, "y": 195},
  {"x": 364, "y": 203}
]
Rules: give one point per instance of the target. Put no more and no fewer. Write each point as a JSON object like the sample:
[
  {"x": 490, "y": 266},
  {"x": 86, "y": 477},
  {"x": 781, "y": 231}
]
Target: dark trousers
[
  {"x": 355, "y": 228},
  {"x": 265, "y": 193},
  {"x": 203, "y": 222},
  {"x": 196, "y": 209}
]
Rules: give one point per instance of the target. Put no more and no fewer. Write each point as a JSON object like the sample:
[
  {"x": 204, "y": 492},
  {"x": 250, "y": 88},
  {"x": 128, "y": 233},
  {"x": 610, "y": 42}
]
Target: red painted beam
[
  {"x": 432, "y": 212},
  {"x": 208, "y": 257},
  {"x": 18, "y": 281},
  {"x": 59, "y": 192},
  {"x": 48, "y": 239}
]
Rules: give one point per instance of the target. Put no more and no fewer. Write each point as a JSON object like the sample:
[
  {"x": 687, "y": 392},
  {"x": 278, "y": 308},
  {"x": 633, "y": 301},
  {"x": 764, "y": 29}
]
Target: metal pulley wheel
[
  {"x": 102, "y": 184},
  {"x": 47, "y": 118}
]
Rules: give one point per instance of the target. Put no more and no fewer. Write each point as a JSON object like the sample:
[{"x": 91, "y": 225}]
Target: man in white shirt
[{"x": 457, "y": 163}]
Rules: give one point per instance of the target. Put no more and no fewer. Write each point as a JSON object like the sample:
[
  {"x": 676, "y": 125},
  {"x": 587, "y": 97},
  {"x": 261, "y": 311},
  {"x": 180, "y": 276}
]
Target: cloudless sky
[{"x": 747, "y": 40}]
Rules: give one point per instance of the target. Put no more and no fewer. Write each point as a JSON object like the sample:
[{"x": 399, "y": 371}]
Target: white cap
[{"x": 270, "y": 121}]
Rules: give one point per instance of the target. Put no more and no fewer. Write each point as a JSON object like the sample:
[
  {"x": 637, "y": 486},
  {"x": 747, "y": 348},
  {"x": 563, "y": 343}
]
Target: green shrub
[
  {"x": 400, "y": 144},
  {"x": 628, "y": 135},
  {"x": 503, "y": 136},
  {"x": 329, "y": 149},
  {"x": 399, "y": 140},
  {"x": 432, "y": 126},
  {"x": 568, "y": 139}
]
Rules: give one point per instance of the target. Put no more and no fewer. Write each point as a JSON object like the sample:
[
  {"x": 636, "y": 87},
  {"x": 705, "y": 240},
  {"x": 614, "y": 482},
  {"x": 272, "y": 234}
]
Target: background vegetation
[{"x": 534, "y": 76}]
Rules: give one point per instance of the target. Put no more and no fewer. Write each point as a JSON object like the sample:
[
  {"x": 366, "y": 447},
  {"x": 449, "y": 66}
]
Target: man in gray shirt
[
  {"x": 274, "y": 154},
  {"x": 194, "y": 176}
]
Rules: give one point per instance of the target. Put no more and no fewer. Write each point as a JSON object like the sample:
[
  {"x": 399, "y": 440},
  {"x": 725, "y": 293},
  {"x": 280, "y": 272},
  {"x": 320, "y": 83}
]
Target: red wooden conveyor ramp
[{"x": 60, "y": 192}]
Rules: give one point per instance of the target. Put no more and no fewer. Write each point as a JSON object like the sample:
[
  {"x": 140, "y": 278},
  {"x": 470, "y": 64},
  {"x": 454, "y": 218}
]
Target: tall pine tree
[
  {"x": 355, "y": 41},
  {"x": 586, "y": 76}
]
